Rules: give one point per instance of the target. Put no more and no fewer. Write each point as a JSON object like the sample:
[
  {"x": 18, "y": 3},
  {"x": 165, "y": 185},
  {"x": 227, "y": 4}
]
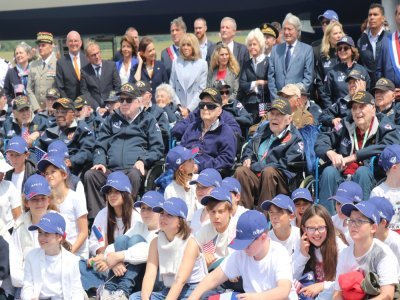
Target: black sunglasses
[
  {"x": 325, "y": 22},
  {"x": 210, "y": 106},
  {"x": 224, "y": 92},
  {"x": 127, "y": 100},
  {"x": 344, "y": 48},
  {"x": 79, "y": 109}
]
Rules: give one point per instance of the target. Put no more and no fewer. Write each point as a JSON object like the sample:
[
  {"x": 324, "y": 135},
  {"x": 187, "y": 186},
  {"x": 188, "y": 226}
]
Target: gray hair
[
  {"x": 293, "y": 20},
  {"x": 25, "y": 47},
  {"x": 168, "y": 89},
  {"x": 257, "y": 35},
  {"x": 179, "y": 23},
  {"x": 232, "y": 21}
]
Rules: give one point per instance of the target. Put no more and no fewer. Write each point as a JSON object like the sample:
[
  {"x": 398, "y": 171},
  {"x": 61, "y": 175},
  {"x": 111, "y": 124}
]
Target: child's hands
[
  {"x": 304, "y": 245},
  {"x": 119, "y": 270}
]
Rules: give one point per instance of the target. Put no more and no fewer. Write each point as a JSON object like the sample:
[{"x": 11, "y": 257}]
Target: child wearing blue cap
[
  {"x": 302, "y": 200},
  {"x": 127, "y": 257},
  {"x": 366, "y": 254},
  {"x": 174, "y": 254},
  {"x": 389, "y": 160},
  {"x": 68, "y": 202},
  {"x": 263, "y": 264},
  {"x": 51, "y": 272}
]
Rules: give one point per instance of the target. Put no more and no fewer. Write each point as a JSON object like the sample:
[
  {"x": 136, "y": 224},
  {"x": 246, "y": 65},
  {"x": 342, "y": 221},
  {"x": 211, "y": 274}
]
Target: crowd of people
[{"x": 236, "y": 127}]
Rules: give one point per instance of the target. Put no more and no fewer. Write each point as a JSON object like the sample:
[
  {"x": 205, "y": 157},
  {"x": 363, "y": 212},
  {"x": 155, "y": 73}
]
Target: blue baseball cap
[
  {"x": 346, "y": 40},
  {"x": 281, "y": 201},
  {"x": 384, "y": 207},
  {"x": 17, "y": 144},
  {"x": 178, "y": 155},
  {"x": 51, "y": 222},
  {"x": 36, "y": 185},
  {"x": 302, "y": 193},
  {"x": 151, "y": 199},
  {"x": 348, "y": 192},
  {"x": 117, "y": 180},
  {"x": 55, "y": 160},
  {"x": 173, "y": 206},
  {"x": 58, "y": 148},
  {"x": 389, "y": 157},
  {"x": 220, "y": 194},
  {"x": 232, "y": 185},
  {"x": 367, "y": 208},
  {"x": 208, "y": 177},
  {"x": 251, "y": 225},
  {"x": 330, "y": 15}
]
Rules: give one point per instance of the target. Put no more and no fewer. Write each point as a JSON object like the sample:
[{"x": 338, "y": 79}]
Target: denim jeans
[
  {"x": 128, "y": 281},
  {"x": 187, "y": 290},
  {"x": 89, "y": 277}
]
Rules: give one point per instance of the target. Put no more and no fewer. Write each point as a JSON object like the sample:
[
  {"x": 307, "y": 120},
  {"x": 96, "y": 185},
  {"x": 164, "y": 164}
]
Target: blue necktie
[{"x": 288, "y": 56}]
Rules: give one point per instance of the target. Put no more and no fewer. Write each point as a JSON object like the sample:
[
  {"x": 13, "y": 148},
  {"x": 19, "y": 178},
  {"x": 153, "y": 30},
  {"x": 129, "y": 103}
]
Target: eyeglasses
[
  {"x": 343, "y": 48},
  {"x": 312, "y": 230},
  {"x": 62, "y": 111},
  {"x": 356, "y": 222},
  {"x": 224, "y": 93},
  {"x": 210, "y": 106},
  {"x": 127, "y": 100},
  {"x": 325, "y": 22}
]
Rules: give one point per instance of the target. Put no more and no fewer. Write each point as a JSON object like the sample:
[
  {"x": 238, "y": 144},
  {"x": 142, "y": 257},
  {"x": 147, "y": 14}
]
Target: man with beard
[{"x": 200, "y": 31}]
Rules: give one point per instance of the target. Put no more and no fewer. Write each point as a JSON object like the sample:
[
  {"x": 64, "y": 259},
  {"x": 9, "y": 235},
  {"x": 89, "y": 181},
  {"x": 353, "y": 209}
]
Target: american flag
[
  {"x": 263, "y": 108},
  {"x": 209, "y": 247},
  {"x": 39, "y": 153},
  {"x": 25, "y": 133}
]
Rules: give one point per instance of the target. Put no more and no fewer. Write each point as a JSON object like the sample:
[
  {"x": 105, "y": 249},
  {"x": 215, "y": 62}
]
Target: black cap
[
  {"x": 220, "y": 84},
  {"x": 80, "y": 101},
  {"x": 213, "y": 93},
  {"x": 64, "y": 102},
  {"x": 362, "y": 97},
  {"x": 267, "y": 28},
  {"x": 52, "y": 93},
  {"x": 384, "y": 84},
  {"x": 346, "y": 40},
  {"x": 282, "y": 105},
  {"x": 21, "y": 102},
  {"x": 130, "y": 90},
  {"x": 355, "y": 74},
  {"x": 143, "y": 86}
]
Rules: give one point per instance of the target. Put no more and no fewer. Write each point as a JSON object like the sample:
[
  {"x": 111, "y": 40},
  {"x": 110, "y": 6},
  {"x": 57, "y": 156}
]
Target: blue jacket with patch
[{"x": 241, "y": 115}]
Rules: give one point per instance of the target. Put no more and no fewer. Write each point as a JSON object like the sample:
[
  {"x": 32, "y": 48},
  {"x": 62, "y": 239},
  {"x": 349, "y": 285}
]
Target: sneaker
[
  {"x": 106, "y": 295},
  {"x": 119, "y": 295}
]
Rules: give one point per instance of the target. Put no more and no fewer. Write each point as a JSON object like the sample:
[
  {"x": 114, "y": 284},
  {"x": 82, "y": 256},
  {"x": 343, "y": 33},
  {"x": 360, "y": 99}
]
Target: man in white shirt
[{"x": 200, "y": 31}]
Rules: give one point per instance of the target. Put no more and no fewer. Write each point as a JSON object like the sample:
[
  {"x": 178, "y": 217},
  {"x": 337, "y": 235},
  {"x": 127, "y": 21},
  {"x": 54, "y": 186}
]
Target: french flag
[
  {"x": 98, "y": 234},
  {"x": 224, "y": 296}
]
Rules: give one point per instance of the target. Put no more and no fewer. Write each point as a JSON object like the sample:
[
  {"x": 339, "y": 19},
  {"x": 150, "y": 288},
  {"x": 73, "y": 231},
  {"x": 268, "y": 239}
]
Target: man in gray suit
[
  {"x": 69, "y": 67},
  {"x": 98, "y": 78},
  {"x": 168, "y": 55},
  {"x": 200, "y": 30},
  {"x": 291, "y": 61}
]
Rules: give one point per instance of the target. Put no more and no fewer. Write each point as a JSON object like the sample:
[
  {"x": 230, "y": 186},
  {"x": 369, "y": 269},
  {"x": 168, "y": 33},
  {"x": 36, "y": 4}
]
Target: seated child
[{"x": 302, "y": 200}]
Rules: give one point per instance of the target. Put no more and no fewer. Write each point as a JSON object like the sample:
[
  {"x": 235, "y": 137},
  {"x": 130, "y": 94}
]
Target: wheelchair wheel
[
  {"x": 154, "y": 172},
  {"x": 309, "y": 183}
]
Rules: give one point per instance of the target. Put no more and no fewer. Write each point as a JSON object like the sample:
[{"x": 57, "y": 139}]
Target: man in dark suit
[
  {"x": 68, "y": 70},
  {"x": 168, "y": 55},
  {"x": 227, "y": 33},
  {"x": 200, "y": 30},
  {"x": 98, "y": 78}
]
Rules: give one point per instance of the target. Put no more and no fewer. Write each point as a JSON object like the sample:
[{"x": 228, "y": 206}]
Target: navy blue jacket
[
  {"x": 217, "y": 148},
  {"x": 241, "y": 115},
  {"x": 289, "y": 148},
  {"x": 173, "y": 113},
  {"x": 120, "y": 143},
  {"x": 79, "y": 140},
  {"x": 383, "y": 133},
  {"x": 393, "y": 113},
  {"x": 323, "y": 66},
  {"x": 336, "y": 110},
  {"x": 247, "y": 76},
  {"x": 194, "y": 117},
  {"x": 10, "y": 81}
]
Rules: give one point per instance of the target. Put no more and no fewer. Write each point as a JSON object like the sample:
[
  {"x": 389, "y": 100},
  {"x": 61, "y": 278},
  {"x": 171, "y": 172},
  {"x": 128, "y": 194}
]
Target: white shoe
[
  {"x": 106, "y": 295},
  {"x": 118, "y": 295}
]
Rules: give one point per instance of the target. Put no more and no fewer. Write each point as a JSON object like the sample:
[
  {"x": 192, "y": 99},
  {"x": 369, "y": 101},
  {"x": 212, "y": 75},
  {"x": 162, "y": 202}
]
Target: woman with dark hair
[
  {"x": 149, "y": 68},
  {"x": 224, "y": 66},
  {"x": 335, "y": 86},
  {"x": 129, "y": 60},
  {"x": 318, "y": 252}
]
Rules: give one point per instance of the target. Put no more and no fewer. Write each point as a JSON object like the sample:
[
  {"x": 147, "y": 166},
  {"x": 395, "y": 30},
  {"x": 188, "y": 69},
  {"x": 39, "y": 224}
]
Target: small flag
[
  {"x": 224, "y": 296},
  {"x": 25, "y": 133},
  {"x": 263, "y": 109},
  {"x": 39, "y": 153},
  {"x": 209, "y": 247},
  {"x": 98, "y": 234}
]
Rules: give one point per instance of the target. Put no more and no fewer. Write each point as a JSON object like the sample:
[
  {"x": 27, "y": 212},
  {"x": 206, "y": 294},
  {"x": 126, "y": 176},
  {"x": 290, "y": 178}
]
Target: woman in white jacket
[{"x": 51, "y": 271}]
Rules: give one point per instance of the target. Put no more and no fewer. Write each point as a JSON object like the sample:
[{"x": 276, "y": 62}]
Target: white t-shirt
[
  {"x": 52, "y": 287},
  {"x": 393, "y": 241},
  {"x": 263, "y": 275},
  {"x": 378, "y": 259},
  {"x": 239, "y": 211},
  {"x": 292, "y": 242},
  {"x": 73, "y": 207},
  {"x": 10, "y": 198},
  {"x": 124, "y": 74},
  {"x": 393, "y": 194},
  {"x": 340, "y": 226},
  {"x": 196, "y": 223},
  {"x": 175, "y": 190},
  {"x": 17, "y": 180}
]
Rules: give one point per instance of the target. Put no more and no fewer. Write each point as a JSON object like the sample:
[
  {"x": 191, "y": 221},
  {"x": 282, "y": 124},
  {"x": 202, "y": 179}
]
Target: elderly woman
[
  {"x": 335, "y": 86},
  {"x": 224, "y": 66},
  {"x": 327, "y": 58},
  {"x": 215, "y": 140},
  {"x": 165, "y": 96},
  {"x": 148, "y": 68},
  {"x": 128, "y": 61},
  {"x": 253, "y": 88},
  {"x": 189, "y": 74},
  {"x": 17, "y": 77}
]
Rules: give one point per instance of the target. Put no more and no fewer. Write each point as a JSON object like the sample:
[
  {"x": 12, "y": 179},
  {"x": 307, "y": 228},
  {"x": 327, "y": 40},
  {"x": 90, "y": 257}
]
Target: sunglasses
[
  {"x": 210, "y": 106},
  {"x": 79, "y": 109},
  {"x": 343, "y": 48},
  {"x": 224, "y": 93},
  {"x": 127, "y": 100},
  {"x": 325, "y": 22}
]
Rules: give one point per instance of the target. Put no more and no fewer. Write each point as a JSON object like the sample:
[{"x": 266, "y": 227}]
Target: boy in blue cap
[
  {"x": 366, "y": 253},
  {"x": 281, "y": 212},
  {"x": 263, "y": 264},
  {"x": 389, "y": 160},
  {"x": 302, "y": 200}
]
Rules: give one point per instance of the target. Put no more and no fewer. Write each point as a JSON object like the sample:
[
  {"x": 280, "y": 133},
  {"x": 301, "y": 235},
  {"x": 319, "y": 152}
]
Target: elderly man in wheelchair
[
  {"x": 266, "y": 159},
  {"x": 351, "y": 145}
]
